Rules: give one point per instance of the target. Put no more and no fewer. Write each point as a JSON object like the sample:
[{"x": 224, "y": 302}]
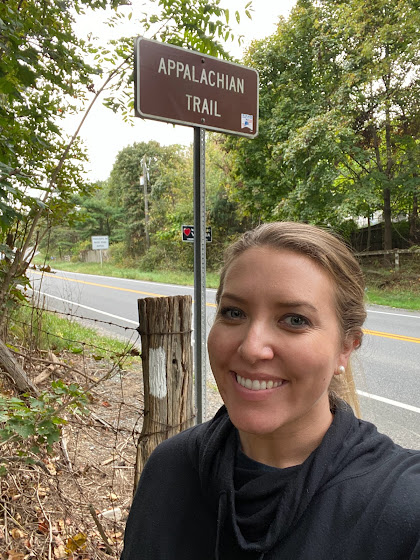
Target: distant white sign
[{"x": 100, "y": 242}]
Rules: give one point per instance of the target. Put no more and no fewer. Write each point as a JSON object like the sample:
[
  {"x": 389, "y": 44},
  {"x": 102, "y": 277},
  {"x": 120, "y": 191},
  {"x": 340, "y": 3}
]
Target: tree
[
  {"x": 97, "y": 214},
  {"x": 126, "y": 193},
  {"x": 39, "y": 169},
  {"x": 380, "y": 64},
  {"x": 92, "y": 214},
  {"x": 339, "y": 115},
  {"x": 43, "y": 75}
]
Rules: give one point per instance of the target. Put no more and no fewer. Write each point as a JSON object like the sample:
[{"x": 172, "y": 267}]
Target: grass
[
  {"x": 48, "y": 331},
  {"x": 394, "y": 288},
  {"x": 400, "y": 299},
  {"x": 183, "y": 278},
  {"x": 384, "y": 287}
]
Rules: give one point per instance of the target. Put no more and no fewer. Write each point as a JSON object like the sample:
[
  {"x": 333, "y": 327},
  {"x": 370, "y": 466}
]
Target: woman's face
[{"x": 275, "y": 343}]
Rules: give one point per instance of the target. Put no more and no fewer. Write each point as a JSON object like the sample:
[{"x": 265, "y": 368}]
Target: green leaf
[
  {"x": 53, "y": 436},
  {"x": 26, "y": 76},
  {"x": 8, "y": 87},
  {"x": 24, "y": 429}
]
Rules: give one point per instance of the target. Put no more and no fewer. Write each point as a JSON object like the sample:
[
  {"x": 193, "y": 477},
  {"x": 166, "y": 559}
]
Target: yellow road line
[
  {"x": 394, "y": 336},
  {"x": 366, "y": 331},
  {"x": 98, "y": 285}
]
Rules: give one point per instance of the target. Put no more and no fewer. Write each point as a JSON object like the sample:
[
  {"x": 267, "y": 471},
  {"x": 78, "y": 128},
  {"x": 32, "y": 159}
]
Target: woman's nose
[{"x": 256, "y": 344}]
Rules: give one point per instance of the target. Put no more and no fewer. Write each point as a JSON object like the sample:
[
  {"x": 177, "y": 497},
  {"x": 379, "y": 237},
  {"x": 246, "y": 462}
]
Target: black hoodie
[{"x": 356, "y": 497}]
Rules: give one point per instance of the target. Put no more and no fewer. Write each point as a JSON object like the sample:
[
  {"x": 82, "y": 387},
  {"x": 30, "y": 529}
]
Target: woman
[{"x": 285, "y": 470}]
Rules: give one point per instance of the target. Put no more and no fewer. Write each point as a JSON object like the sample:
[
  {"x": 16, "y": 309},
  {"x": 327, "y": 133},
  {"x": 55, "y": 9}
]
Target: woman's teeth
[{"x": 256, "y": 385}]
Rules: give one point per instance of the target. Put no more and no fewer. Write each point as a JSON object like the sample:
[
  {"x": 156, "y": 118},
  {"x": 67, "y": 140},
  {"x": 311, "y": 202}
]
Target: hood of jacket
[{"x": 275, "y": 501}]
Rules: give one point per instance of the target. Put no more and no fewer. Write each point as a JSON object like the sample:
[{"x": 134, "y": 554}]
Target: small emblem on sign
[
  {"x": 247, "y": 121},
  {"x": 188, "y": 234}
]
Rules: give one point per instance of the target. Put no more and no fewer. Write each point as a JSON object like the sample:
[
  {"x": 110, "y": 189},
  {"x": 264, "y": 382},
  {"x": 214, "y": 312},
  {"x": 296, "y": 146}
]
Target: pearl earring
[{"x": 341, "y": 370}]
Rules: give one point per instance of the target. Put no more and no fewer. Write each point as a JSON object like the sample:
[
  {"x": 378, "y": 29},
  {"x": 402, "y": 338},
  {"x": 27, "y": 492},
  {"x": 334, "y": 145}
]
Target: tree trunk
[
  {"x": 13, "y": 369},
  {"x": 414, "y": 235},
  {"x": 387, "y": 219},
  {"x": 389, "y": 166},
  {"x": 165, "y": 328}
]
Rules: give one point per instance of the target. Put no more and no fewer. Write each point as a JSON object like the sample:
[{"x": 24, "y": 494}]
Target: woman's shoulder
[
  {"x": 367, "y": 458},
  {"x": 390, "y": 479},
  {"x": 378, "y": 453},
  {"x": 404, "y": 474}
]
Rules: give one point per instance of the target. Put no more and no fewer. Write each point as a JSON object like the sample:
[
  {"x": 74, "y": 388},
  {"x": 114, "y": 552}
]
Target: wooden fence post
[{"x": 165, "y": 328}]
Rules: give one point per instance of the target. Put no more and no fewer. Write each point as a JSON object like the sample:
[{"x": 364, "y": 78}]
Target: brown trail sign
[{"x": 189, "y": 88}]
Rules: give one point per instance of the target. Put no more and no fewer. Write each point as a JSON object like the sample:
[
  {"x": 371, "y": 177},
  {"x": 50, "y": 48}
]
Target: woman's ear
[{"x": 351, "y": 343}]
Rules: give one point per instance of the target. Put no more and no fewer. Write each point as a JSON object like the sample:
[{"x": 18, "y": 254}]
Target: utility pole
[{"x": 144, "y": 181}]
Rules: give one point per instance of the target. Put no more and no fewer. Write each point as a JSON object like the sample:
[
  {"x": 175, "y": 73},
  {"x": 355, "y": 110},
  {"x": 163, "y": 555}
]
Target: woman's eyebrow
[
  {"x": 293, "y": 304},
  {"x": 234, "y": 297}
]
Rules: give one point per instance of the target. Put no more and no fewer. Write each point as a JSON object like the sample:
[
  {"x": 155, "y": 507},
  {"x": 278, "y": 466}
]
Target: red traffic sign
[
  {"x": 188, "y": 233},
  {"x": 189, "y": 88}
]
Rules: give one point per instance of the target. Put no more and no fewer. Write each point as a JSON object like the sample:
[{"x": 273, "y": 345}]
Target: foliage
[
  {"x": 41, "y": 74},
  {"x": 194, "y": 24},
  {"x": 339, "y": 115},
  {"x": 170, "y": 197},
  {"x": 33, "y": 424},
  {"x": 92, "y": 214},
  {"x": 44, "y": 76}
]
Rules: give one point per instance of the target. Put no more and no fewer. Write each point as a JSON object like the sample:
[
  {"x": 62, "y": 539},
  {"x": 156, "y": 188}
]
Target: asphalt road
[{"x": 387, "y": 366}]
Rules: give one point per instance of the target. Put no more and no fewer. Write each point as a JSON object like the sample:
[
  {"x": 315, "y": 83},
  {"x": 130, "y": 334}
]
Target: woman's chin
[{"x": 253, "y": 422}]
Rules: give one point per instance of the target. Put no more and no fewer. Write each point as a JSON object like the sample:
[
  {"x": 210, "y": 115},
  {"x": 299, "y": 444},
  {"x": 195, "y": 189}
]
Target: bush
[
  {"x": 168, "y": 255},
  {"x": 34, "y": 424},
  {"x": 154, "y": 259},
  {"x": 117, "y": 253}
]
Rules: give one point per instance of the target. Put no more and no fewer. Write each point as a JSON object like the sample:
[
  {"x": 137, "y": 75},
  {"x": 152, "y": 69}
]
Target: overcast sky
[{"x": 105, "y": 133}]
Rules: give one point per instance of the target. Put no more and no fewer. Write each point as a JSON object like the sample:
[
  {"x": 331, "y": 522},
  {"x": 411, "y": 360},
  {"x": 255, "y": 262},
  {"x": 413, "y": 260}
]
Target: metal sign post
[{"x": 200, "y": 271}]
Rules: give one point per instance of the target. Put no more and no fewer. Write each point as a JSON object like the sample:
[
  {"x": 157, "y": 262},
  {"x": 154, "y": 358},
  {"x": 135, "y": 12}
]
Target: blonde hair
[{"x": 331, "y": 254}]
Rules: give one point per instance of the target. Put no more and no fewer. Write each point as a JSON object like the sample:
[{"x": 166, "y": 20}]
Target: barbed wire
[
  {"x": 73, "y": 315},
  {"x": 130, "y": 345}
]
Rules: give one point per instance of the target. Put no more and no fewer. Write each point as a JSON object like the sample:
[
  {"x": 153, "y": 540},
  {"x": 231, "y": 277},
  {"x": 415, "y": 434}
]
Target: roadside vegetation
[
  {"x": 50, "y": 331},
  {"x": 399, "y": 289},
  {"x": 63, "y": 442},
  {"x": 183, "y": 278}
]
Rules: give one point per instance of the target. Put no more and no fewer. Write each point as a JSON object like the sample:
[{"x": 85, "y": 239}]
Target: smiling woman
[{"x": 285, "y": 469}]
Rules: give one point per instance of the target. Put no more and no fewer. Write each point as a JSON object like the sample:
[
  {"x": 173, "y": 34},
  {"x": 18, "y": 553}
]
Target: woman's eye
[
  {"x": 296, "y": 321},
  {"x": 231, "y": 313}
]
